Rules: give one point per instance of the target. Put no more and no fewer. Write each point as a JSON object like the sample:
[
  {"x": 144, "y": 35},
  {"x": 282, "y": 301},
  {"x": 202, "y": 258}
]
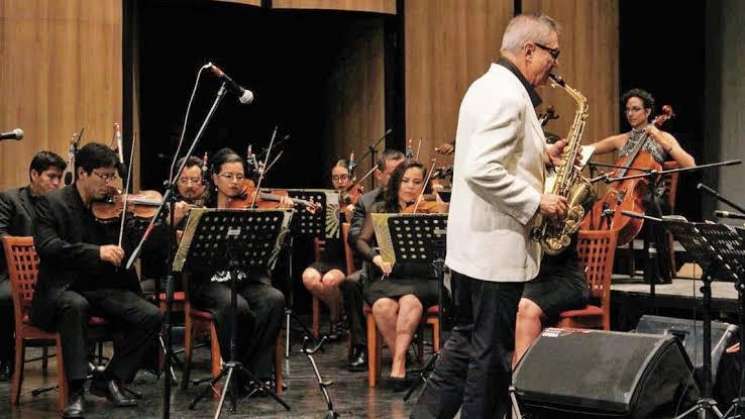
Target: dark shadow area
[{"x": 662, "y": 50}]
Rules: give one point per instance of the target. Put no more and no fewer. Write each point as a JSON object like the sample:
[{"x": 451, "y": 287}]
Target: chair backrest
[
  {"x": 597, "y": 249},
  {"x": 348, "y": 254},
  {"x": 23, "y": 270},
  {"x": 671, "y": 183}
]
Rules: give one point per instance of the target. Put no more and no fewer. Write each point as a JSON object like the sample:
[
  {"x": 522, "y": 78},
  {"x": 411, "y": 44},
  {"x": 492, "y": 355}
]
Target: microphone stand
[
  {"x": 169, "y": 198},
  {"x": 372, "y": 150},
  {"x": 719, "y": 197}
]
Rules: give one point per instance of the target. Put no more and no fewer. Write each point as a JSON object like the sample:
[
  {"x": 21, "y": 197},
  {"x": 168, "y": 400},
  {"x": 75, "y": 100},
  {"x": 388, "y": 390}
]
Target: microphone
[
  {"x": 703, "y": 187},
  {"x": 245, "y": 96},
  {"x": 728, "y": 214},
  {"x": 16, "y": 134}
]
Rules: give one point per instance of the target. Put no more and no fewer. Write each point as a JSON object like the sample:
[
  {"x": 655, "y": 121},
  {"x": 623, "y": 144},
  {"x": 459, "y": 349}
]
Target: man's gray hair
[{"x": 528, "y": 28}]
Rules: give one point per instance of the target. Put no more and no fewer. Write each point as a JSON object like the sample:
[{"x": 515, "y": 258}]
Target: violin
[
  {"x": 266, "y": 200},
  {"x": 427, "y": 204},
  {"x": 142, "y": 206},
  {"x": 627, "y": 195}
]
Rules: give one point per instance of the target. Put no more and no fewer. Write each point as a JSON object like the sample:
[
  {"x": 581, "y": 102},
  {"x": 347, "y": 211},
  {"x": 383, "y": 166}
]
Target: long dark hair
[
  {"x": 222, "y": 156},
  {"x": 394, "y": 184}
]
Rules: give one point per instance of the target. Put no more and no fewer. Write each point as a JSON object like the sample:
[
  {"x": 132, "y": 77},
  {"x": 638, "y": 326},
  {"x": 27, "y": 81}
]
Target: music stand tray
[
  {"x": 234, "y": 240},
  {"x": 305, "y": 223}
]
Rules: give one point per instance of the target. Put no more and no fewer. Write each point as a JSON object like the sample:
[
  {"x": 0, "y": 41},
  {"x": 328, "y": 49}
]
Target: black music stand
[
  {"x": 421, "y": 238},
  {"x": 304, "y": 224},
  {"x": 240, "y": 240},
  {"x": 718, "y": 249}
]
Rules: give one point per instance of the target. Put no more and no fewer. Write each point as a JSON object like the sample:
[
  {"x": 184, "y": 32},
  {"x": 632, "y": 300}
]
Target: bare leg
[
  {"x": 324, "y": 292},
  {"x": 331, "y": 283},
  {"x": 385, "y": 312},
  {"x": 409, "y": 316},
  {"x": 527, "y": 328}
]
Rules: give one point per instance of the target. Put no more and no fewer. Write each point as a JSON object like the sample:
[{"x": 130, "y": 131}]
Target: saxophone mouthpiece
[{"x": 557, "y": 79}]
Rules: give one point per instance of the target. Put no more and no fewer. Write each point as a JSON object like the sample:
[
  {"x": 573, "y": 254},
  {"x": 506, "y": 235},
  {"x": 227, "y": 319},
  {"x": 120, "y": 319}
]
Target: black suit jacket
[
  {"x": 67, "y": 238},
  {"x": 359, "y": 212},
  {"x": 16, "y": 219}
]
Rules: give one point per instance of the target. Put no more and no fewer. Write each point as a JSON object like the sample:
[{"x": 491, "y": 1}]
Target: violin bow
[
  {"x": 426, "y": 182},
  {"x": 266, "y": 160},
  {"x": 125, "y": 195}
]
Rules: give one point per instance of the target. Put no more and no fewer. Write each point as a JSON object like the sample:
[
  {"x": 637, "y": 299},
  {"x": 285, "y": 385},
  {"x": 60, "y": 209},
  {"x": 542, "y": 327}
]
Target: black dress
[{"x": 406, "y": 278}]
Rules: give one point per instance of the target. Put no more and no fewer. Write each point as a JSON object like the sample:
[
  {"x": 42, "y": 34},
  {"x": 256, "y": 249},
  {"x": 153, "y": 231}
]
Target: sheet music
[{"x": 383, "y": 236}]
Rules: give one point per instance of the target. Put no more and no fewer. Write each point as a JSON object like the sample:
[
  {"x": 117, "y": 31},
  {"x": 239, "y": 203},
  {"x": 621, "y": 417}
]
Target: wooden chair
[
  {"x": 596, "y": 250},
  {"x": 23, "y": 270},
  {"x": 199, "y": 322},
  {"x": 374, "y": 339}
]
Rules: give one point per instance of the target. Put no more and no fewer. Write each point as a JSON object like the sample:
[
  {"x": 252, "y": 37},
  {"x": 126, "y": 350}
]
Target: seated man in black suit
[
  {"x": 82, "y": 274},
  {"x": 17, "y": 219}
]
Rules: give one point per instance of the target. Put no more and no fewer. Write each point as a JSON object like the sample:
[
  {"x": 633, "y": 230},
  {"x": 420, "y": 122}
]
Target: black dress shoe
[
  {"x": 358, "y": 360},
  {"x": 110, "y": 389},
  {"x": 399, "y": 384},
  {"x": 74, "y": 408}
]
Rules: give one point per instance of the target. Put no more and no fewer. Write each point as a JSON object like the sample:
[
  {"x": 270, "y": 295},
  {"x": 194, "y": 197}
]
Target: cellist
[
  {"x": 639, "y": 105},
  {"x": 661, "y": 145}
]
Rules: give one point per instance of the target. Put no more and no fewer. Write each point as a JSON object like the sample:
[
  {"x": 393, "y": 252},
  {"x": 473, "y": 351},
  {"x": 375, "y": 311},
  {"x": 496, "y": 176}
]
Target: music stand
[
  {"x": 304, "y": 224},
  {"x": 718, "y": 249},
  {"x": 415, "y": 238},
  {"x": 240, "y": 240}
]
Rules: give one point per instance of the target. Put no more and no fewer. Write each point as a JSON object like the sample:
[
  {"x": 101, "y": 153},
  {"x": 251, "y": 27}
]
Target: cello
[{"x": 628, "y": 194}]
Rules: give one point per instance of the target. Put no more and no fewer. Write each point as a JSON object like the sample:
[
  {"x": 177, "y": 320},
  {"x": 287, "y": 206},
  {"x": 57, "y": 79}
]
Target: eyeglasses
[
  {"x": 232, "y": 176},
  {"x": 106, "y": 177},
  {"x": 554, "y": 52},
  {"x": 337, "y": 178},
  {"x": 188, "y": 180}
]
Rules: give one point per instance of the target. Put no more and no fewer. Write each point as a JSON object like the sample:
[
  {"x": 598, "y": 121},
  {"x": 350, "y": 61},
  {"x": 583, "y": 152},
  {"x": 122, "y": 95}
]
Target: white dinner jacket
[{"x": 497, "y": 181}]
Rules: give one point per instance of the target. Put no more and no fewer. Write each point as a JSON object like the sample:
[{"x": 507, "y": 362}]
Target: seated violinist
[
  {"x": 260, "y": 305},
  {"x": 81, "y": 274},
  {"x": 190, "y": 185},
  {"x": 323, "y": 277},
  {"x": 401, "y": 294},
  {"x": 190, "y": 191}
]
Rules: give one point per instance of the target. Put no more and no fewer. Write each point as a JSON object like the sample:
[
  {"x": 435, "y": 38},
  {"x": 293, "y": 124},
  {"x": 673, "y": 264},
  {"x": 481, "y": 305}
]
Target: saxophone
[{"x": 555, "y": 235}]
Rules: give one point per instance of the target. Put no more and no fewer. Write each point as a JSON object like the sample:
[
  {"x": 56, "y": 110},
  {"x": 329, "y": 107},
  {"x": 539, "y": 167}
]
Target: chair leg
[
  {"x": 44, "y": 360},
  {"x": 316, "y": 317},
  {"x": 215, "y": 359},
  {"x": 188, "y": 337},
  {"x": 373, "y": 352},
  {"x": 435, "y": 322},
  {"x": 278, "y": 376},
  {"x": 17, "y": 380},
  {"x": 63, "y": 393}
]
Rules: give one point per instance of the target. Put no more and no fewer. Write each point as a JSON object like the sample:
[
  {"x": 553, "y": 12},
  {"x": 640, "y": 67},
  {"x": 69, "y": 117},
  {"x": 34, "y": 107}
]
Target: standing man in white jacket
[{"x": 498, "y": 185}]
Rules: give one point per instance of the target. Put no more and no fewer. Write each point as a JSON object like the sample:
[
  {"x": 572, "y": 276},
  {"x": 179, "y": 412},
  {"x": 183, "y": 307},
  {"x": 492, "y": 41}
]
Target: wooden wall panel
[
  {"x": 449, "y": 44},
  {"x": 60, "y": 70},
  {"x": 588, "y": 62},
  {"x": 248, "y": 2},
  {"x": 375, "y": 6},
  {"x": 355, "y": 94}
]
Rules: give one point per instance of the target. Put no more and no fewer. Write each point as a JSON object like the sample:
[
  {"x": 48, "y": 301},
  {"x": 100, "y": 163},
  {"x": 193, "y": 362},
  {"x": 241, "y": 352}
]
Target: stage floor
[{"x": 350, "y": 394}]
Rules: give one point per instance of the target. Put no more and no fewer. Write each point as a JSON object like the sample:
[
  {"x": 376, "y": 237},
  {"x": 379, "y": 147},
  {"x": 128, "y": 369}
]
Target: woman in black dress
[{"x": 398, "y": 293}]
